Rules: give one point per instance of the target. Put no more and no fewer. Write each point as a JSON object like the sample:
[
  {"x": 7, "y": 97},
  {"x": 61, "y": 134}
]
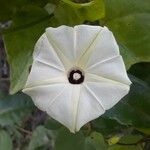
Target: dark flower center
[{"x": 75, "y": 76}]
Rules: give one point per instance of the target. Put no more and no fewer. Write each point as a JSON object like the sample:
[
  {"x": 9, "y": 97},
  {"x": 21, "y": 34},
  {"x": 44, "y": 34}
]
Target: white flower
[{"x": 77, "y": 74}]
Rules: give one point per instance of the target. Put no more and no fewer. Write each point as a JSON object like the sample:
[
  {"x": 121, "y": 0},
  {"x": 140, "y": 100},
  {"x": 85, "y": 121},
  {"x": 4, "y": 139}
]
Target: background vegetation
[{"x": 22, "y": 127}]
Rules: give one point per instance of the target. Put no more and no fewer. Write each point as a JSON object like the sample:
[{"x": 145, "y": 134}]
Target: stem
[{"x": 24, "y": 130}]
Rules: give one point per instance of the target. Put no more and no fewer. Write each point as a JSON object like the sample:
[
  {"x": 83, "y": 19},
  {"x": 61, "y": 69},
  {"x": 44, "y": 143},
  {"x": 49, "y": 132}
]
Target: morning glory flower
[{"x": 77, "y": 74}]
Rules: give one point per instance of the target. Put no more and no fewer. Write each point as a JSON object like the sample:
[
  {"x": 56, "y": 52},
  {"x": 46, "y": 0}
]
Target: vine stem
[{"x": 24, "y": 130}]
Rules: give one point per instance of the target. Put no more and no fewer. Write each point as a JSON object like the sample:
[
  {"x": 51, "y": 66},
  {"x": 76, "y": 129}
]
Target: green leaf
[
  {"x": 71, "y": 13},
  {"x": 14, "y": 108},
  {"x": 32, "y": 14},
  {"x": 130, "y": 138},
  {"x": 20, "y": 41},
  {"x": 67, "y": 15},
  {"x": 144, "y": 130},
  {"x": 133, "y": 109},
  {"x": 39, "y": 138},
  {"x": 107, "y": 126},
  {"x": 5, "y": 141},
  {"x": 94, "y": 11},
  {"x": 140, "y": 70},
  {"x": 122, "y": 147},
  {"x": 95, "y": 142},
  {"x": 52, "y": 124},
  {"x": 69, "y": 141},
  {"x": 128, "y": 142},
  {"x": 129, "y": 22},
  {"x": 90, "y": 11},
  {"x": 77, "y": 5},
  {"x": 8, "y": 11}
]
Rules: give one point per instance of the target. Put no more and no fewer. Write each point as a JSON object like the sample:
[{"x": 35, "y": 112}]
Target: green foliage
[
  {"x": 29, "y": 22},
  {"x": 134, "y": 108},
  {"x": 124, "y": 143},
  {"x": 5, "y": 141},
  {"x": 20, "y": 40},
  {"x": 14, "y": 108},
  {"x": 107, "y": 126},
  {"x": 129, "y": 21},
  {"x": 119, "y": 16},
  {"x": 95, "y": 142},
  {"x": 67, "y": 140},
  {"x": 119, "y": 147},
  {"x": 51, "y": 124},
  {"x": 140, "y": 70},
  {"x": 39, "y": 138},
  {"x": 126, "y": 126},
  {"x": 90, "y": 11}
]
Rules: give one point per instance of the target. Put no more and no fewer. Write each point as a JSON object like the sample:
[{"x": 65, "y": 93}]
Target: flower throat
[{"x": 75, "y": 76}]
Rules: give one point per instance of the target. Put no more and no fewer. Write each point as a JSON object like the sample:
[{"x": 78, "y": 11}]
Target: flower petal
[
  {"x": 62, "y": 39},
  {"x": 111, "y": 69},
  {"x": 89, "y": 107},
  {"x": 45, "y": 53},
  {"x": 60, "y": 101},
  {"x": 107, "y": 92},
  {"x": 104, "y": 47},
  {"x": 42, "y": 73},
  {"x": 44, "y": 95},
  {"x": 65, "y": 107},
  {"x": 84, "y": 36}
]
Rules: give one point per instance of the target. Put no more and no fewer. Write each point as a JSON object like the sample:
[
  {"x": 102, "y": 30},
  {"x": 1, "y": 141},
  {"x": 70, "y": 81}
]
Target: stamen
[{"x": 75, "y": 76}]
